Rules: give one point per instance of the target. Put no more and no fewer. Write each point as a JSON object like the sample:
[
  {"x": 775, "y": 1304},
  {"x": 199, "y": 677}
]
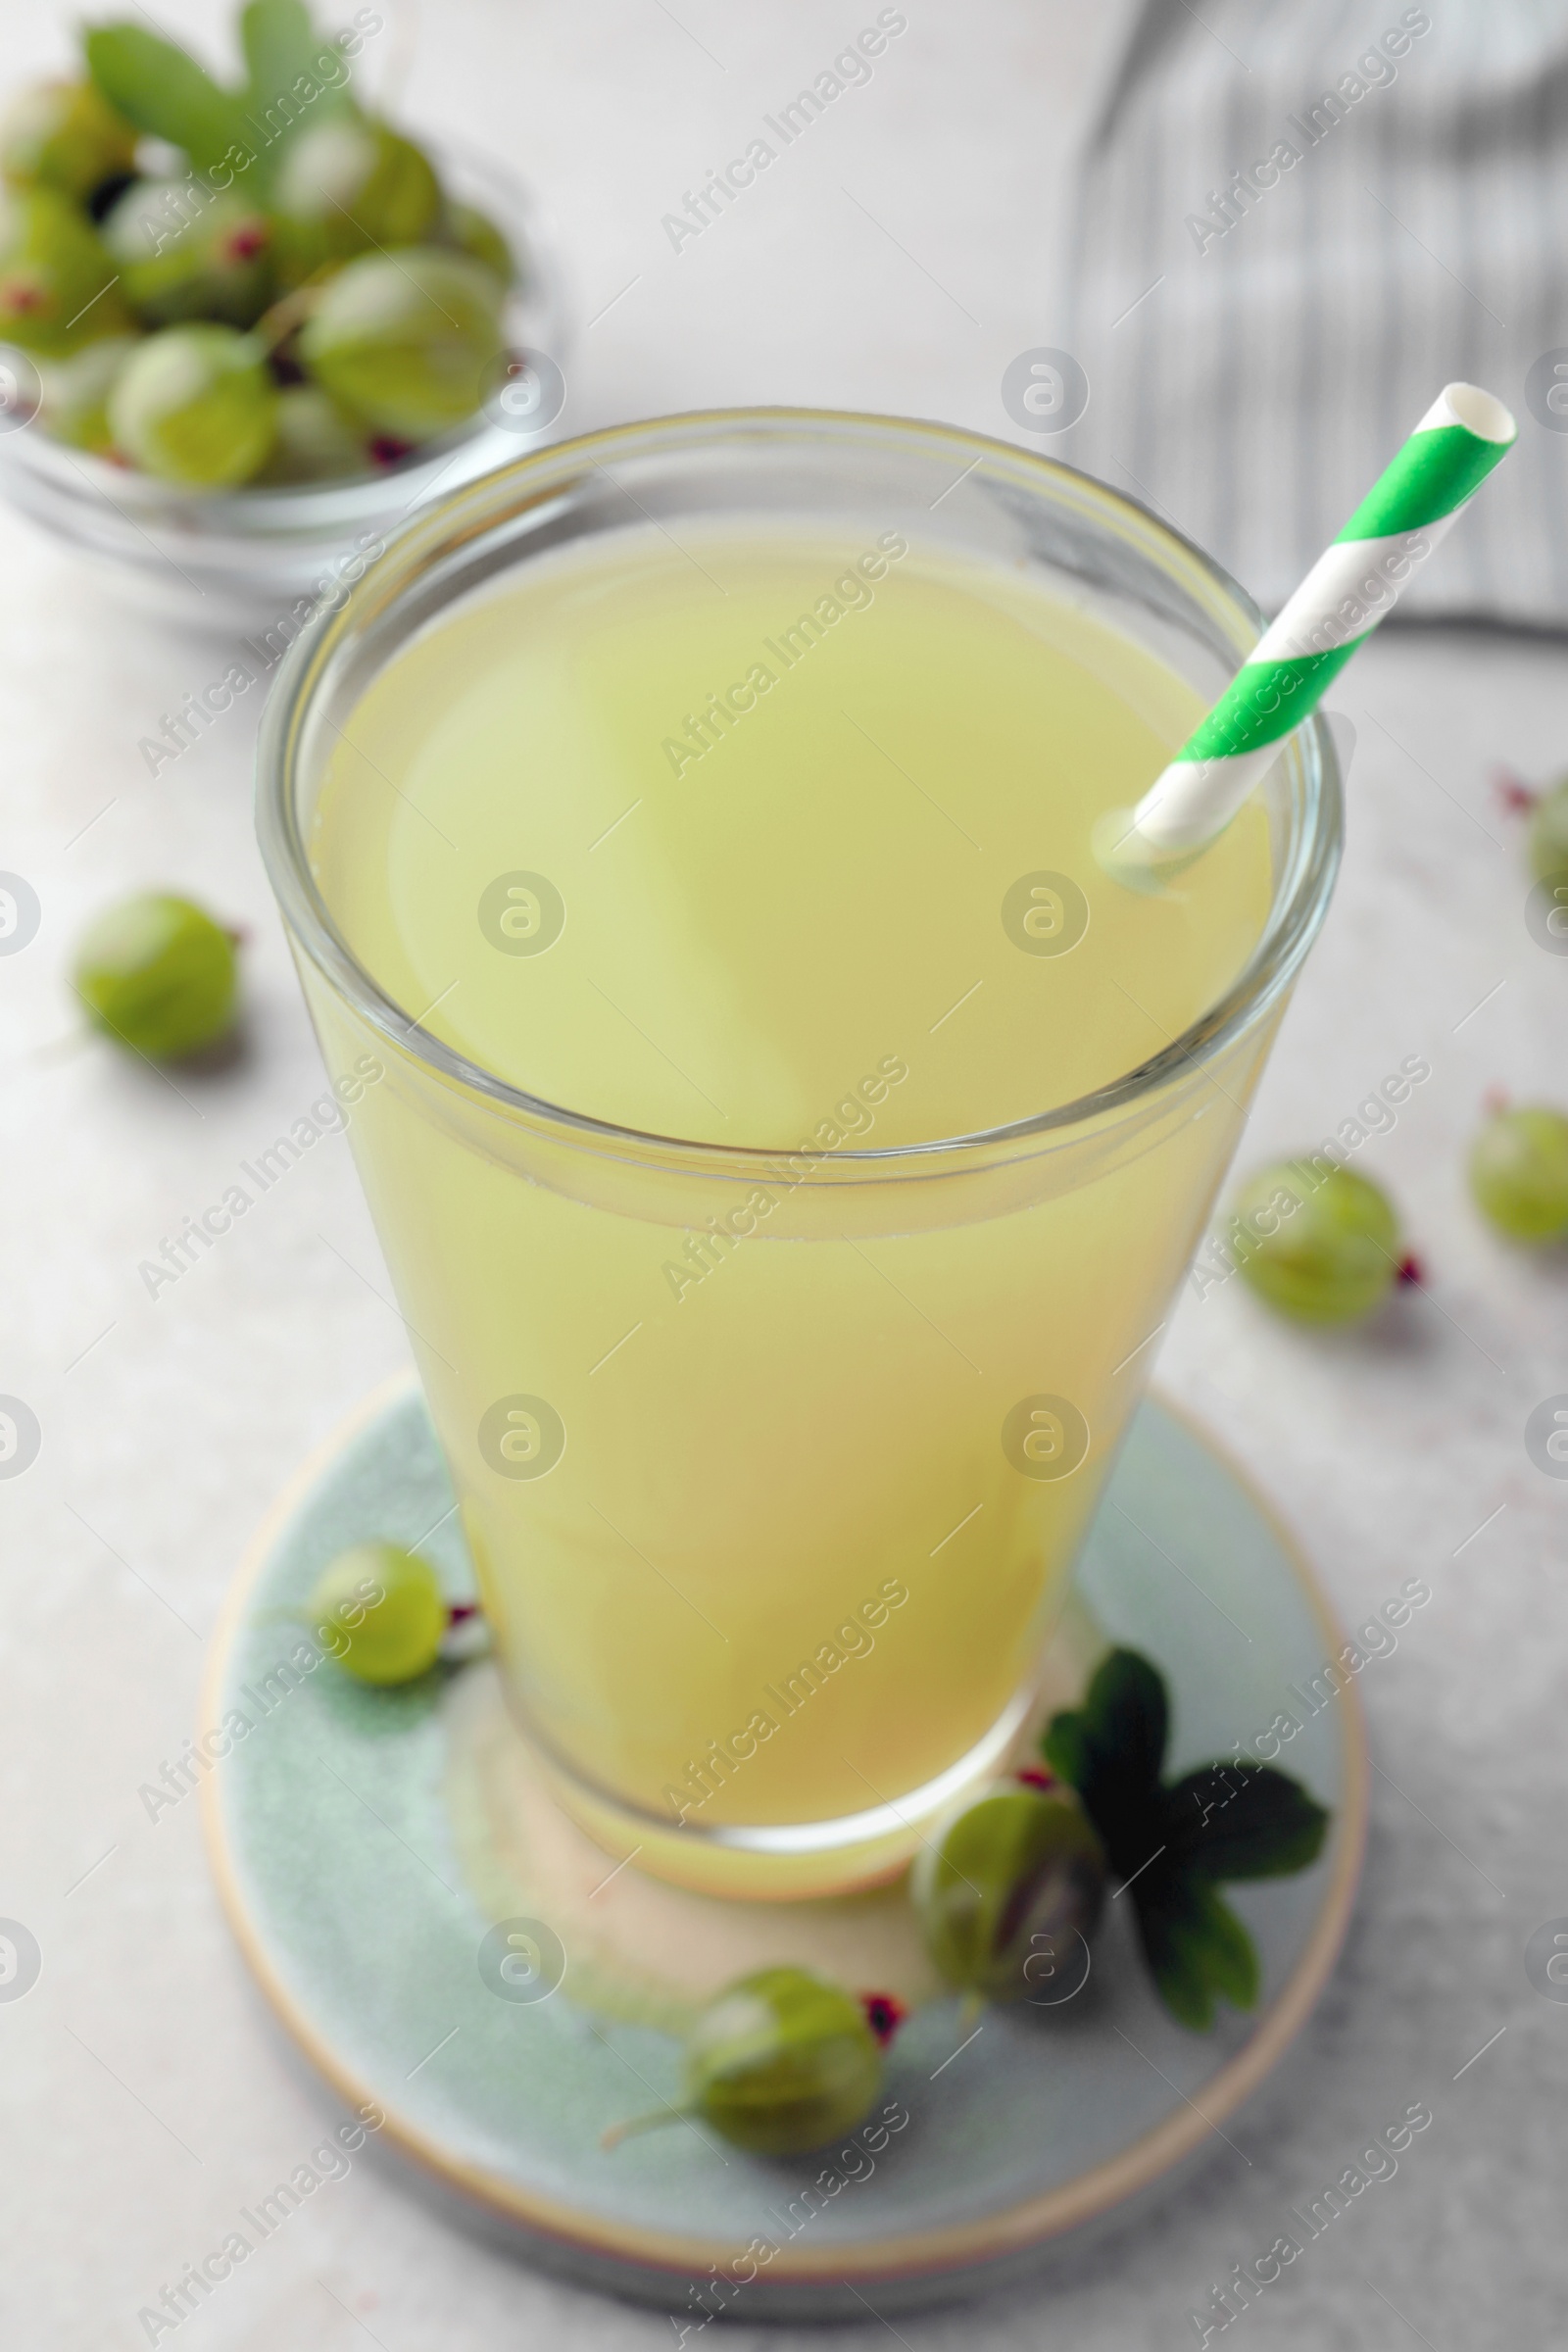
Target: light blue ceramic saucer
[{"x": 368, "y": 1843}]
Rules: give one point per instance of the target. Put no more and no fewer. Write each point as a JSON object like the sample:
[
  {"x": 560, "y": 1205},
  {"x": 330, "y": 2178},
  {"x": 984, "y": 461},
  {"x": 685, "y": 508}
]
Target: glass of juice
[{"x": 784, "y": 1139}]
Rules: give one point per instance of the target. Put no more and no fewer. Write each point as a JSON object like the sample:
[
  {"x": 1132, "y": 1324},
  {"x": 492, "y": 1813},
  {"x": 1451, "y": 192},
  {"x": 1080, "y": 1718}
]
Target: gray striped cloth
[{"x": 1295, "y": 223}]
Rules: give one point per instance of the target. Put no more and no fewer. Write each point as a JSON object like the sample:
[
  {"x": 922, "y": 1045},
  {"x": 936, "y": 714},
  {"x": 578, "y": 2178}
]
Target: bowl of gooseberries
[{"x": 246, "y": 325}]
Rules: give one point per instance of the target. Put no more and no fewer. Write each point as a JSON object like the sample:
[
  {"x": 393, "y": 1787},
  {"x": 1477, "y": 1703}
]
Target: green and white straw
[{"x": 1353, "y": 586}]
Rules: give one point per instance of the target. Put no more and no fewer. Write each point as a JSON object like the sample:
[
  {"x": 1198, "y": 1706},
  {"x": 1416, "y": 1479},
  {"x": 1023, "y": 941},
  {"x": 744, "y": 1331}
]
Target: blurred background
[{"x": 1012, "y": 183}]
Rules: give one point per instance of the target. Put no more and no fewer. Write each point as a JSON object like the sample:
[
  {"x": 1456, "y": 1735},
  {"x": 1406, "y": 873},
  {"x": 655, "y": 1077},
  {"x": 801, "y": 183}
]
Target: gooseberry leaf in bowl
[
  {"x": 166, "y": 94},
  {"x": 279, "y": 44}
]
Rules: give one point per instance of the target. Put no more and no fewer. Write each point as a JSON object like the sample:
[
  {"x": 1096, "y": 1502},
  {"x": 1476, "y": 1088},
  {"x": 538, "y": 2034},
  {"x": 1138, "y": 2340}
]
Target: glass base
[
  {"x": 1036, "y": 2138},
  {"x": 781, "y": 1861}
]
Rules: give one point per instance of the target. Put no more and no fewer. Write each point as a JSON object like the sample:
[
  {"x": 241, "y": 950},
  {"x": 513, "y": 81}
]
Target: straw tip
[
  {"x": 1124, "y": 853},
  {"x": 1480, "y": 413}
]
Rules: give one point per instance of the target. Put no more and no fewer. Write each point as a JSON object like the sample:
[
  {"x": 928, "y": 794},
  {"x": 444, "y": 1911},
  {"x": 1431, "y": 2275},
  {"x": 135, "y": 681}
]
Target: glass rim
[{"x": 533, "y": 482}]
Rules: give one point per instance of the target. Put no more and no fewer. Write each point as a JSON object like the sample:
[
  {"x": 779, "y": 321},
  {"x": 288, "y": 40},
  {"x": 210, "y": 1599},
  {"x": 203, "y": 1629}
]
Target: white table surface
[{"x": 144, "y": 2097}]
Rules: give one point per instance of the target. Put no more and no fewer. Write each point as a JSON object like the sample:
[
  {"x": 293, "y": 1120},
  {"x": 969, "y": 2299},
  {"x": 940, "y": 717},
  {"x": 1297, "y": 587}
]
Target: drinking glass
[{"x": 770, "y": 1586}]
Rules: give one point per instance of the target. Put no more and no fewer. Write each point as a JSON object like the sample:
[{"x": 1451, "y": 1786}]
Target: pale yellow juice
[{"x": 778, "y": 843}]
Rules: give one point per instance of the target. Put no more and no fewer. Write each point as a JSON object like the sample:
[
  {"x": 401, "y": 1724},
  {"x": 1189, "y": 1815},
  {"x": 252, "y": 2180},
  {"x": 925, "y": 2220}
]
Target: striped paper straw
[{"x": 1353, "y": 586}]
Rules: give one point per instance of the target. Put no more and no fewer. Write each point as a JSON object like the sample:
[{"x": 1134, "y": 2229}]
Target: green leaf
[
  {"x": 1243, "y": 1821},
  {"x": 1110, "y": 1750},
  {"x": 287, "y": 93},
  {"x": 1197, "y": 1948},
  {"x": 1127, "y": 1711},
  {"x": 279, "y": 42},
  {"x": 1066, "y": 1749},
  {"x": 165, "y": 92}
]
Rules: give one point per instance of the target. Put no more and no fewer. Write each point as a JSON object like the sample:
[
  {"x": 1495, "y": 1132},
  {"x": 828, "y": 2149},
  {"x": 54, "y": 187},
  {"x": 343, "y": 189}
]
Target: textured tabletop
[{"x": 897, "y": 257}]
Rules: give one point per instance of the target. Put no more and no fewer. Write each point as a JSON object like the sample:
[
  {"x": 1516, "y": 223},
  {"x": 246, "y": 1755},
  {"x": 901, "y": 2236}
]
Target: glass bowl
[{"x": 258, "y": 559}]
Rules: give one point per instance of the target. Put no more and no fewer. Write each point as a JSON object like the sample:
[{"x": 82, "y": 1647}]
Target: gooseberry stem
[
  {"x": 59, "y": 1047},
  {"x": 654, "y": 2121},
  {"x": 274, "y": 326},
  {"x": 460, "y": 1612}
]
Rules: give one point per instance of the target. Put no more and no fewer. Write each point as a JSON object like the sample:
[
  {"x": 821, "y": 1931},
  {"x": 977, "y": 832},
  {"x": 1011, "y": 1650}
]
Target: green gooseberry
[
  {"x": 316, "y": 442},
  {"x": 158, "y": 976},
  {"x": 382, "y": 1613},
  {"x": 411, "y": 343},
  {"x": 474, "y": 233},
  {"x": 1519, "y": 1173},
  {"x": 1006, "y": 1891},
  {"x": 196, "y": 405},
  {"x": 1547, "y": 843},
  {"x": 346, "y": 185},
  {"x": 73, "y": 404},
  {"x": 1319, "y": 1248},
  {"x": 182, "y": 257},
  {"x": 64, "y": 135},
  {"x": 777, "y": 2064},
  {"x": 57, "y": 280},
  {"x": 782, "y": 2062}
]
